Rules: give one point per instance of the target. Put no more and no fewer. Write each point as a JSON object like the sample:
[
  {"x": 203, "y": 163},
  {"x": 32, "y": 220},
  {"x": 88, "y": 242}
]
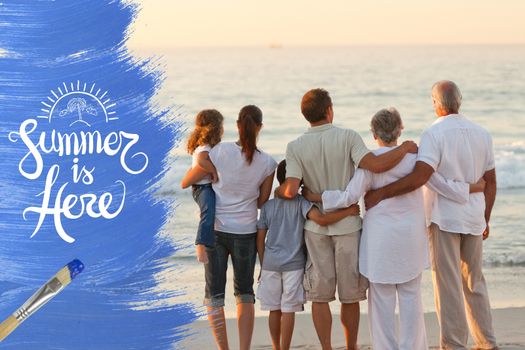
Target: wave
[
  {"x": 515, "y": 259},
  {"x": 510, "y": 165},
  {"x": 170, "y": 184},
  {"x": 510, "y": 168}
]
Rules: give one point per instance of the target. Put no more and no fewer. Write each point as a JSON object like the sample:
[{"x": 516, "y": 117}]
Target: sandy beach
[{"x": 509, "y": 326}]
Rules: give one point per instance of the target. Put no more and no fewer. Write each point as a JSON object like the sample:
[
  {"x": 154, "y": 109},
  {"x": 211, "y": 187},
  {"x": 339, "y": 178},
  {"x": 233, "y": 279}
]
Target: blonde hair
[{"x": 208, "y": 129}]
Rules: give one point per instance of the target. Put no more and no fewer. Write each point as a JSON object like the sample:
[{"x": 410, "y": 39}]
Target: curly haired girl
[{"x": 207, "y": 133}]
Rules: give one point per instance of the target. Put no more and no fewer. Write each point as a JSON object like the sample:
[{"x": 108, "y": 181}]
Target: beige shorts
[{"x": 333, "y": 261}]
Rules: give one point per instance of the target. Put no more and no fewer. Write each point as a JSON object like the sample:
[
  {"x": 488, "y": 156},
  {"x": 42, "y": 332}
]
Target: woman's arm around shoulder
[{"x": 265, "y": 190}]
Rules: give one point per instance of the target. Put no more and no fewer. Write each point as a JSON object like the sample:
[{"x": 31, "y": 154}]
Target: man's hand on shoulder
[{"x": 410, "y": 146}]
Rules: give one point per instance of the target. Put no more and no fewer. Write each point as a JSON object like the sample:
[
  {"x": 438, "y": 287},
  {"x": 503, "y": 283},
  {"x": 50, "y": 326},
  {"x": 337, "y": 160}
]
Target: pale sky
[{"x": 174, "y": 23}]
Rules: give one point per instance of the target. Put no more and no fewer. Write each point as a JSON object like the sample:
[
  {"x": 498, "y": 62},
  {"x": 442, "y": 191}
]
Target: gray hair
[
  {"x": 447, "y": 95},
  {"x": 387, "y": 124}
]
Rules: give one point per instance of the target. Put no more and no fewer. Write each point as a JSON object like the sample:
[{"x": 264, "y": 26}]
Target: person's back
[
  {"x": 460, "y": 150},
  {"x": 402, "y": 247},
  {"x": 238, "y": 187},
  {"x": 327, "y": 157},
  {"x": 284, "y": 248},
  {"x": 408, "y": 207}
]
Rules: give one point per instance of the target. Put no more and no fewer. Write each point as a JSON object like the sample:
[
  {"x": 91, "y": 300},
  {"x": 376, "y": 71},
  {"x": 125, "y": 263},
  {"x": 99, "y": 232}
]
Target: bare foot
[{"x": 202, "y": 256}]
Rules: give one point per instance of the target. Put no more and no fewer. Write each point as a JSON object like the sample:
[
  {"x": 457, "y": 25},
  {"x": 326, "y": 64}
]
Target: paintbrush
[{"x": 47, "y": 292}]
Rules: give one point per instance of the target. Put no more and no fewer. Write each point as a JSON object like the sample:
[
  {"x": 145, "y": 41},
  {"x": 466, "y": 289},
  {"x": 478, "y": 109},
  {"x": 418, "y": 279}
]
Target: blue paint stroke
[{"x": 54, "y": 58}]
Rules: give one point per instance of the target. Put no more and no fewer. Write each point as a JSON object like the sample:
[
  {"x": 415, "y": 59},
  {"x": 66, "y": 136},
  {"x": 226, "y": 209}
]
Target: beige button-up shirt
[{"x": 325, "y": 158}]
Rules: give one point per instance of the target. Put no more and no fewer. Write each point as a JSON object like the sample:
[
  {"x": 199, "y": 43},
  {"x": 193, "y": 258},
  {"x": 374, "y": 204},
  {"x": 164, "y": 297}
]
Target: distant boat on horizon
[{"x": 275, "y": 46}]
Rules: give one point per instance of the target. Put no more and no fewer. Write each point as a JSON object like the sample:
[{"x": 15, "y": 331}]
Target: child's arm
[
  {"x": 332, "y": 217},
  {"x": 312, "y": 197},
  {"x": 261, "y": 237},
  {"x": 192, "y": 176},
  {"x": 204, "y": 161}
]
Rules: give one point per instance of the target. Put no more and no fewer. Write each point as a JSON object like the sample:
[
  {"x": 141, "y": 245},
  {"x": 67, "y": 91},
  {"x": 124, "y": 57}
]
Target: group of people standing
[{"x": 326, "y": 171}]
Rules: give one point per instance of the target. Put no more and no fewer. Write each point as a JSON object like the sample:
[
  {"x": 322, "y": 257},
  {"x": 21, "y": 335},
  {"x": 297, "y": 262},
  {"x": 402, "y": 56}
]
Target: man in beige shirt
[{"x": 325, "y": 158}]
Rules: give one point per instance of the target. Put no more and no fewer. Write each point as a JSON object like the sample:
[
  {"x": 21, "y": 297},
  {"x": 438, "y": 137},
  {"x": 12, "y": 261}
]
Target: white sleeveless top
[{"x": 237, "y": 190}]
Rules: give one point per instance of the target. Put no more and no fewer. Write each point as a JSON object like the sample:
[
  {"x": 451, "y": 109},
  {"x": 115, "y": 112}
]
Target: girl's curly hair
[{"x": 208, "y": 129}]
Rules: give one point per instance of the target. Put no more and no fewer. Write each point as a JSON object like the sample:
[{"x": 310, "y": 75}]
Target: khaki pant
[
  {"x": 333, "y": 261},
  {"x": 460, "y": 290}
]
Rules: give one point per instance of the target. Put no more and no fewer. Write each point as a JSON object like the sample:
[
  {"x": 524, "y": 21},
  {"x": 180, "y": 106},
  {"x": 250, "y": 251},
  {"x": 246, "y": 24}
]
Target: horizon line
[{"x": 278, "y": 45}]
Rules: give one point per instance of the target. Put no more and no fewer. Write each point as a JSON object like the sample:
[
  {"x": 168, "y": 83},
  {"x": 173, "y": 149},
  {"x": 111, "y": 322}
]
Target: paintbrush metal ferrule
[{"x": 37, "y": 300}]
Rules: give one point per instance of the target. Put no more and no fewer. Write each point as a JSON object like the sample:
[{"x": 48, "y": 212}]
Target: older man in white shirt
[{"x": 460, "y": 150}]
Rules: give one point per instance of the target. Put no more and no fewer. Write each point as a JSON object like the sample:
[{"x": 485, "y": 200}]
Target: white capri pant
[{"x": 382, "y": 317}]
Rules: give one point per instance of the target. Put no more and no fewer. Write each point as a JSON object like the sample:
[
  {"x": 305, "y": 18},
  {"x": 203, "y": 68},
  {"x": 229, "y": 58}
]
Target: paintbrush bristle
[{"x": 64, "y": 276}]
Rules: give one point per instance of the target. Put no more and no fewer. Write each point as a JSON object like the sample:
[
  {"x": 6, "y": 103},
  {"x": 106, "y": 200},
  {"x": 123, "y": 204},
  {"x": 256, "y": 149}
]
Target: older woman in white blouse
[{"x": 393, "y": 250}]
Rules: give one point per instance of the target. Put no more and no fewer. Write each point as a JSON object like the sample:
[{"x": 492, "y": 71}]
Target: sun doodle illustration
[{"x": 80, "y": 102}]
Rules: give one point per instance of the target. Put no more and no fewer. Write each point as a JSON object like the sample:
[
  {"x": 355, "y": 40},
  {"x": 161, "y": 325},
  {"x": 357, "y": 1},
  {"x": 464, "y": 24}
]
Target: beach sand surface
[{"x": 509, "y": 326}]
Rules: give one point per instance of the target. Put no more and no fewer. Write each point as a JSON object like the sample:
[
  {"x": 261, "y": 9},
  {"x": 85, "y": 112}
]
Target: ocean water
[{"x": 361, "y": 80}]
